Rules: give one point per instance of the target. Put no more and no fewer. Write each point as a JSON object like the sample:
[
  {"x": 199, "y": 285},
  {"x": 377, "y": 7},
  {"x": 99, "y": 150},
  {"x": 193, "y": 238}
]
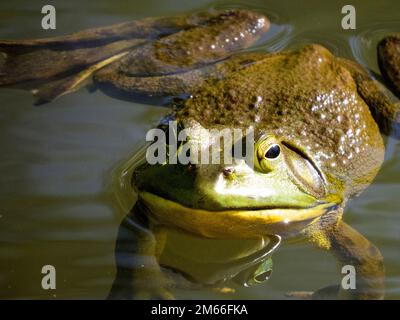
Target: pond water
[{"x": 58, "y": 192}]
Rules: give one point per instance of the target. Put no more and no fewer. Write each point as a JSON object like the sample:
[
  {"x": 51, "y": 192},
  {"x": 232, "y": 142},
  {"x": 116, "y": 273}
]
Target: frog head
[{"x": 277, "y": 185}]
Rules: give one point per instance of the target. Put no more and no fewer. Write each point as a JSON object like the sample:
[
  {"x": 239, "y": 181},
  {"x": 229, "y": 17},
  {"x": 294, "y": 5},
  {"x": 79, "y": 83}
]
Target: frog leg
[
  {"x": 67, "y": 61},
  {"x": 384, "y": 106},
  {"x": 350, "y": 249},
  {"x": 181, "y": 62},
  {"x": 57, "y": 65},
  {"x": 40, "y": 59},
  {"x": 52, "y": 90},
  {"x": 112, "y": 81},
  {"x": 389, "y": 61},
  {"x": 139, "y": 245}
]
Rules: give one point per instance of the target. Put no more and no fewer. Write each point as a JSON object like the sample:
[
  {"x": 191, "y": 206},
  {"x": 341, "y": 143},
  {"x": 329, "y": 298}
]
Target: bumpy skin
[
  {"x": 179, "y": 63},
  {"x": 389, "y": 63},
  {"x": 305, "y": 95},
  {"x": 322, "y": 111},
  {"x": 299, "y": 96},
  {"x": 389, "y": 60},
  {"x": 55, "y": 66}
]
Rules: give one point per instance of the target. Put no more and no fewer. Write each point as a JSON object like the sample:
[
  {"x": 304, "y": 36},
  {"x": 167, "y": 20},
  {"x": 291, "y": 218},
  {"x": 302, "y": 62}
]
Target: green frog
[{"x": 316, "y": 120}]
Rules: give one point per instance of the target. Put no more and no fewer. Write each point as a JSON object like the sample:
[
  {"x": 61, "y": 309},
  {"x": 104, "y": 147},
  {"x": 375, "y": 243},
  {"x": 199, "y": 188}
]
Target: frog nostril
[
  {"x": 228, "y": 172},
  {"x": 190, "y": 168}
]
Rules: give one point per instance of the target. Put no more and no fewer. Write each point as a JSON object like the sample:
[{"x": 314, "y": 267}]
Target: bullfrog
[{"x": 316, "y": 122}]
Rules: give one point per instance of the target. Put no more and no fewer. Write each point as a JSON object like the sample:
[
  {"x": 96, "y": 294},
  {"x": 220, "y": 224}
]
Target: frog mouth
[{"x": 233, "y": 222}]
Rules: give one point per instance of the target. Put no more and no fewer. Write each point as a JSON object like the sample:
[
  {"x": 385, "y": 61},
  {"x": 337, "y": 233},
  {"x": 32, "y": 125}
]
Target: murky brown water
[{"x": 58, "y": 201}]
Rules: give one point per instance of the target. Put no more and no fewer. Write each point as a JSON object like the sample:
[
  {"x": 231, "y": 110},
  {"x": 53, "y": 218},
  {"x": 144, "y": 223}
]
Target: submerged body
[{"x": 316, "y": 120}]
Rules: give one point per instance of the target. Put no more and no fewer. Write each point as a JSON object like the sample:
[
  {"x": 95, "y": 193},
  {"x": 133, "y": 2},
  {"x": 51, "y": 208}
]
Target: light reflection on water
[{"x": 58, "y": 203}]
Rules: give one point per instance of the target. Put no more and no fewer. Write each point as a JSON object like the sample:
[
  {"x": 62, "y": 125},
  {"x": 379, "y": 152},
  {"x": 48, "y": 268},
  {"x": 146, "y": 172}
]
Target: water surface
[{"x": 57, "y": 190}]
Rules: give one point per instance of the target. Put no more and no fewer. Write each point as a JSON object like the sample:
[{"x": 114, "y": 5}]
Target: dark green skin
[
  {"x": 389, "y": 64},
  {"x": 303, "y": 93},
  {"x": 389, "y": 60}
]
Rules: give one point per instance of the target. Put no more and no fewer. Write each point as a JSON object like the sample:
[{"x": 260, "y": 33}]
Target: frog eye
[
  {"x": 267, "y": 151},
  {"x": 273, "y": 152}
]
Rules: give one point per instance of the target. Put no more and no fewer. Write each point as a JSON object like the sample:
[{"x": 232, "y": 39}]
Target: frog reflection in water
[{"x": 317, "y": 121}]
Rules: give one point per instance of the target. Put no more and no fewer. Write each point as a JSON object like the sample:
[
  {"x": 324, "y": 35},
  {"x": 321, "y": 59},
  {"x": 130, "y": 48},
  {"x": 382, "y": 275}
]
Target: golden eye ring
[{"x": 267, "y": 151}]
